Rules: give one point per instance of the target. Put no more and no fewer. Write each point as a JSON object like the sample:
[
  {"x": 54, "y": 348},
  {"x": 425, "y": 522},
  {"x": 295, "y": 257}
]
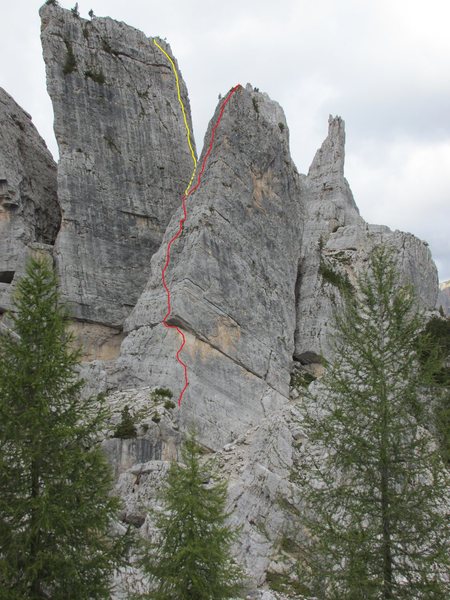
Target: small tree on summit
[
  {"x": 55, "y": 507},
  {"x": 191, "y": 560}
]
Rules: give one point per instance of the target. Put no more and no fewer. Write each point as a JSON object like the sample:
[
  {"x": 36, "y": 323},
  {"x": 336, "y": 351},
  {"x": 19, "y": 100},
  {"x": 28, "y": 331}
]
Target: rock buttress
[
  {"x": 336, "y": 244},
  {"x": 124, "y": 159},
  {"x": 29, "y": 211},
  {"x": 232, "y": 280},
  {"x": 443, "y": 300}
]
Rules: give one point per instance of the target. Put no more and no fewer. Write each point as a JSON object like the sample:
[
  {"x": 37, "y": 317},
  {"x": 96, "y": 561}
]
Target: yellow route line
[{"x": 188, "y": 132}]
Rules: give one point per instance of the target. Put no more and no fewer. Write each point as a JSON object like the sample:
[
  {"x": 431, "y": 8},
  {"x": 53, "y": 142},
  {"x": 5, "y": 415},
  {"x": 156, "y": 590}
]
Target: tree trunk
[
  {"x": 35, "y": 588},
  {"x": 387, "y": 556},
  {"x": 385, "y": 516}
]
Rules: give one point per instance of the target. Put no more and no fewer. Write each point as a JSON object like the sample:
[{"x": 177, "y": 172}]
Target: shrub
[
  {"x": 98, "y": 77},
  {"x": 108, "y": 48},
  {"x": 159, "y": 394},
  {"x": 126, "y": 428},
  {"x": 71, "y": 64},
  {"x": 302, "y": 379}
]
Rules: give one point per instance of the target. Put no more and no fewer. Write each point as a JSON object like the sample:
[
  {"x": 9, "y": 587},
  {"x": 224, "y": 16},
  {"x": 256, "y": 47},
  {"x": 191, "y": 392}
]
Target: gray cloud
[{"x": 383, "y": 66}]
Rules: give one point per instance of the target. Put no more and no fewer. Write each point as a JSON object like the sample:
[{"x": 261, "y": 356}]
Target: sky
[{"x": 382, "y": 65}]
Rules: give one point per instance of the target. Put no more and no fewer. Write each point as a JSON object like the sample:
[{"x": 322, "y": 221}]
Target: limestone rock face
[
  {"x": 232, "y": 280},
  {"x": 29, "y": 211},
  {"x": 444, "y": 297},
  {"x": 336, "y": 245},
  {"x": 258, "y": 466},
  {"x": 329, "y": 205},
  {"x": 254, "y": 278},
  {"x": 123, "y": 158}
]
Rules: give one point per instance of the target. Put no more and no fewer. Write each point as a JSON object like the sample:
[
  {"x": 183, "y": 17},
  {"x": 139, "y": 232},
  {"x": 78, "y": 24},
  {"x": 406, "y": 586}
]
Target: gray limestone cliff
[
  {"x": 232, "y": 280},
  {"x": 254, "y": 281},
  {"x": 255, "y": 277},
  {"x": 336, "y": 244},
  {"x": 123, "y": 158},
  {"x": 29, "y": 210},
  {"x": 257, "y": 274},
  {"x": 444, "y": 297}
]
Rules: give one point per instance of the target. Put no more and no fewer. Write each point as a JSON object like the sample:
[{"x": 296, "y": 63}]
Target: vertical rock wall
[
  {"x": 29, "y": 211},
  {"x": 124, "y": 160},
  {"x": 444, "y": 297},
  {"x": 232, "y": 279},
  {"x": 336, "y": 245}
]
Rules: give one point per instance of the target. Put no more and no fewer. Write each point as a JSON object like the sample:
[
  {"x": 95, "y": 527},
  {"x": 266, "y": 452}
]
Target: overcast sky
[{"x": 383, "y": 65}]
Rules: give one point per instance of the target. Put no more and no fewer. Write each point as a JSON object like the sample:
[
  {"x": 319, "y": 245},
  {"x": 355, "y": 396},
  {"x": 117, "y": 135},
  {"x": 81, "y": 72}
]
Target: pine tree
[
  {"x": 55, "y": 508},
  {"x": 437, "y": 333},
  {"x": 190, "y": 559},
  {"x": 375, "y": 490}
]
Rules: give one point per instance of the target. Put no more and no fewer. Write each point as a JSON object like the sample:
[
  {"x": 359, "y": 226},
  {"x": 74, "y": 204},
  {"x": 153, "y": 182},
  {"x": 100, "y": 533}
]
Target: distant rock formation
[
  {"x": 444, "y": 297},
  {"x": 29, "y": 210},
  {"x": 123, "y": 158}
]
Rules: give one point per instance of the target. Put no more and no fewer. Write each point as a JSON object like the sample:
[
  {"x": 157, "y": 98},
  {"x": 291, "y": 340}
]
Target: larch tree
[
  {"x": 55, "y": 502},
  {"x": 190, "y": 558},
  {"x": 374, "y": 486}
]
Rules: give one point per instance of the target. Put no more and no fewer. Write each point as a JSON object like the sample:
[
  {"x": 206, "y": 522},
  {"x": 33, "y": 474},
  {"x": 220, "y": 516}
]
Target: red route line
[{"x": 177, "y": 235}]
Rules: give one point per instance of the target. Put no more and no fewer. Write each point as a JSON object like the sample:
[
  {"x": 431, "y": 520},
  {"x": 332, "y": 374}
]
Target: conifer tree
[
  {"x": 55, "y": 508},
  {"x": 190, "y": 559},
  {"x": 374, "y": 486}
]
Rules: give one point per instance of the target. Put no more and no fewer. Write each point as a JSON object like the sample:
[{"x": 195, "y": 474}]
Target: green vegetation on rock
[
  {"x": 71, "y": 64},
  {"x": 96, "y": 76},
  {"x": 127, "y": 427}
]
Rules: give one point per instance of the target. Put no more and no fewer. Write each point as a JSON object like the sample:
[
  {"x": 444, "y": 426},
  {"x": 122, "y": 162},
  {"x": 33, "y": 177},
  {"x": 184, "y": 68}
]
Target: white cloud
[
  {"x": 383, "y": 66},
  {"x": 406, "y": 185}
]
